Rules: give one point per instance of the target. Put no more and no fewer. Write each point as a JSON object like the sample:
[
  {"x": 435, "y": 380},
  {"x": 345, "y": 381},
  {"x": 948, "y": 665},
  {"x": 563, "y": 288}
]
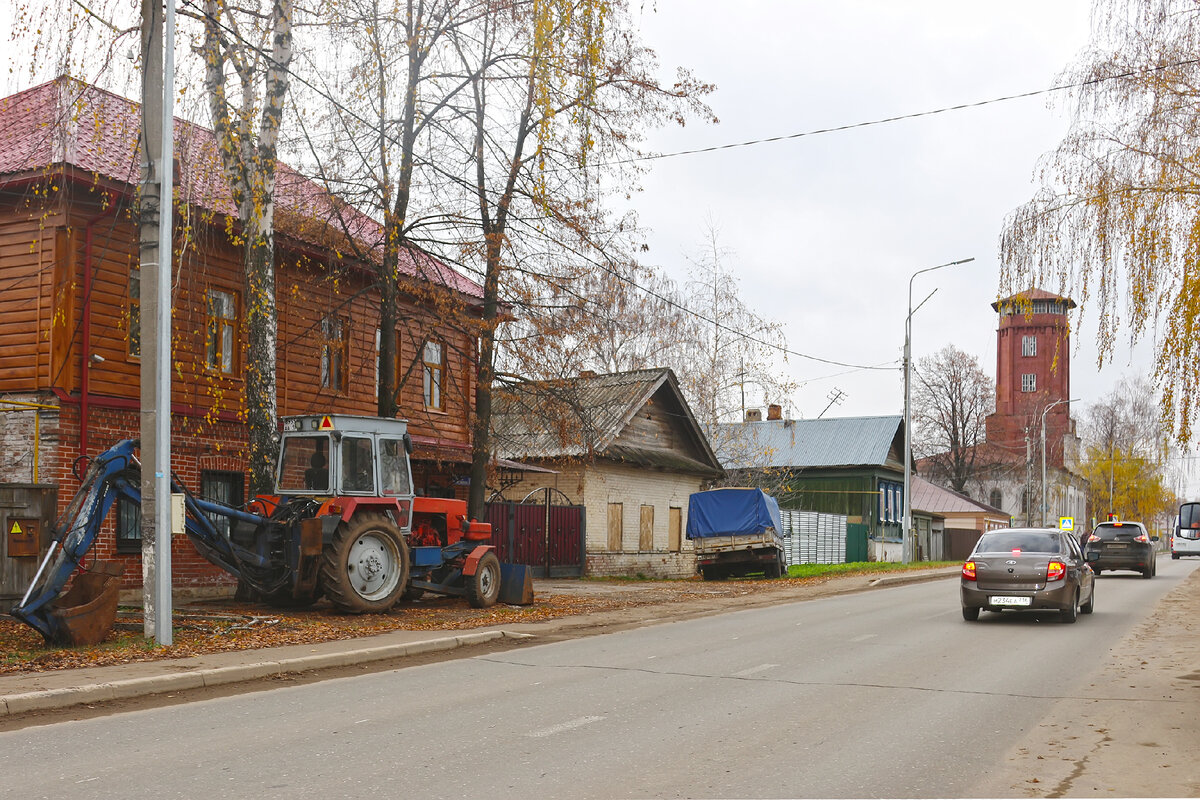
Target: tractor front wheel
[
  {"x": 484, "y": 586},
  {"x": 365, "y": 569}
]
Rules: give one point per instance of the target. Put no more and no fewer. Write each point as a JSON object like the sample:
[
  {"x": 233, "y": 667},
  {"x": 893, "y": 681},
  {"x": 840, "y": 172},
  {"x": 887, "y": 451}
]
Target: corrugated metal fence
[{"x": 810, "y": 537}]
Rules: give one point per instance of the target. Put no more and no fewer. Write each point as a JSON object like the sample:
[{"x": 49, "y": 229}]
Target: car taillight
[
  {"x": 1055, "y": 570},
  {"x": 969, "y": 571},
  {"x": 1141, "y": 537},
  {"x": 1093, "y": 538}
]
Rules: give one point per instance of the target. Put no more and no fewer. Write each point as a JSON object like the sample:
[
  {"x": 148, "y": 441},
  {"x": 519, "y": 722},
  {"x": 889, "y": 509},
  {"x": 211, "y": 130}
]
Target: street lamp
[
  {"x": 906, "y": 523},
  {"x": 1044, "y": 410}
]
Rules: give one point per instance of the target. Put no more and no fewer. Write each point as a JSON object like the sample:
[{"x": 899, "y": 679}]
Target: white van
[{"x": 1185, "y": 540}]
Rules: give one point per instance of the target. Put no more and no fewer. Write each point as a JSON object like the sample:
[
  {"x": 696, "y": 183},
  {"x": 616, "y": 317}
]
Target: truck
[
  {"x": 735, "y": 532},
  {"x": 343, "y": 523}
]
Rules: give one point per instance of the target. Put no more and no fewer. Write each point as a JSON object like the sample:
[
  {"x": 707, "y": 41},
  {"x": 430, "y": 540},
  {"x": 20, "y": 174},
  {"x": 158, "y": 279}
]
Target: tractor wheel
[
  {"x": 365, "y": 568},
  {"x": 484, "y": 586}
]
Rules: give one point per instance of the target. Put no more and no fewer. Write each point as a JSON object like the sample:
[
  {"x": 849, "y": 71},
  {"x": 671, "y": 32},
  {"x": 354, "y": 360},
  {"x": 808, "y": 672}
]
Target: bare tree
[
  {"x": 559, "y": 87},
  {"x": 952, "y": 398},
  {"x": 1115, "y": 221}
]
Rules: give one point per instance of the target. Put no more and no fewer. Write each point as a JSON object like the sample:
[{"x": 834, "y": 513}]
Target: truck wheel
[
  {"x": 484, "y": 586},
  {"x": 365, "y": 568}
]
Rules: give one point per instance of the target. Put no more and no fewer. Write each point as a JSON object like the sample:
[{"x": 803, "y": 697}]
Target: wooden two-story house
[{"x": 70, "y": 349}]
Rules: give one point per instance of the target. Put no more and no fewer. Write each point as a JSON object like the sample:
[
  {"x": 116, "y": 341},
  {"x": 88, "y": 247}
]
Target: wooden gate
[{"x": 548, "y": 538}]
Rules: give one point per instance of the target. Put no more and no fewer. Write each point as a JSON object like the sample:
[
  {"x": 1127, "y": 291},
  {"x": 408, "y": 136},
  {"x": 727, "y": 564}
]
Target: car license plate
[
  {"x": 1117, "y": 546},
  {"x": 1003, "y": 600}
]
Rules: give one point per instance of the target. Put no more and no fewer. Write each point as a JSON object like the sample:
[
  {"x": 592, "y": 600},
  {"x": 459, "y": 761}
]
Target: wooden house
[
  {"x": 70, "y": 349},
  {"x": 626, "y": 447}
]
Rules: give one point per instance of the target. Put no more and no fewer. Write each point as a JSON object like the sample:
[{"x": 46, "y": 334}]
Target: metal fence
[{"x": 810, "y": 537}]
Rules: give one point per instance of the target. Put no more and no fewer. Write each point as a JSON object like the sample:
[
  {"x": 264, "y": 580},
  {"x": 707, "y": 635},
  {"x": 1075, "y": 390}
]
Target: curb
[
  {"x": 49, "y": 699},
  {"x": 900, "y": 580}
]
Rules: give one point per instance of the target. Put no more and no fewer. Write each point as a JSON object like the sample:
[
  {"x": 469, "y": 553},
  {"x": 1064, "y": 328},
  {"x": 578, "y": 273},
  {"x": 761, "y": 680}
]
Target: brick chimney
[
  {"x": 774, "y": 411},
  {"x": 753, "y": 415}
]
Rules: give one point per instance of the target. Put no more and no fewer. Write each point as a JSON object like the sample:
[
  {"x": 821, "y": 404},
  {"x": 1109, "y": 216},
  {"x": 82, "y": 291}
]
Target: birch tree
[
  {"x": 1116, "y": 222},
  {"x": 247, "y": 127}
]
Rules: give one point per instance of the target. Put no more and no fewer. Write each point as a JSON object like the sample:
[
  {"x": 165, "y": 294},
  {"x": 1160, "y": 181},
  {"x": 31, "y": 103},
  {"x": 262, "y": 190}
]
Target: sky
[{"x": 825, "y": 231}]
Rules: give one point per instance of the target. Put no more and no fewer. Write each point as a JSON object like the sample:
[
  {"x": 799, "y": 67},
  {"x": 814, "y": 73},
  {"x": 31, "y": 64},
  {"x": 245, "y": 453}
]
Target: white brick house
[{"x": 627, "y": 448}]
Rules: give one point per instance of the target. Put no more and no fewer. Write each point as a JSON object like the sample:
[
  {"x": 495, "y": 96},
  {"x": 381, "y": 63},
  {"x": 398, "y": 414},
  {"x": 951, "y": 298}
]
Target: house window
[
  {"x": 335, "y": 373},
  {"x": 434, "y": 357},
  {"x": 995, "y": 499},
  {"x": 616, "y": 524},
  {"x": 395, "y": 361},
  {"x": 646, "y": 530},
  {"x": 221, "y": 332},
  {"x": 133, "y": 312},
  {"x": 223, "y": 487},
  {"x": 1029, "y": 382},
  {"x": 1029, "y": 346},
  {"x": 891, "y": 501},
  {"x": 129, "y": 526},
  {"x": 675, "y": 529}
]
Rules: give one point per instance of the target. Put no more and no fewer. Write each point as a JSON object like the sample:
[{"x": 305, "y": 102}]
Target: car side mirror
[{"x": 1154, "y": 538}]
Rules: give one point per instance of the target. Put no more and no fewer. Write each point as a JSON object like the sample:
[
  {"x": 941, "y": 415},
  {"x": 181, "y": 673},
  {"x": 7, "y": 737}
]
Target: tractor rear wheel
[
  {"x": 484, "y": 586},
  {"x": 365, "y": 568}
]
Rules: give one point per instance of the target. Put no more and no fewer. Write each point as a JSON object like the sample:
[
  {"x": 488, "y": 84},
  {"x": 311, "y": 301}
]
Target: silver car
[{"x": 1027, "y": 569}]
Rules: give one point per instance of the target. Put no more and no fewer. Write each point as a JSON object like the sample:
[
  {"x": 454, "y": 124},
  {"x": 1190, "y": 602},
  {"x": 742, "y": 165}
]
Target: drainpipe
[{"x": 85, "y": 356}]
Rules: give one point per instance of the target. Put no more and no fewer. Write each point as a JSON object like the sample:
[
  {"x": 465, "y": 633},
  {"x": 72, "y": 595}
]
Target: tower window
[
  {"x": 1028, "y": 346},
  {"x": 1029, "y": 382}
]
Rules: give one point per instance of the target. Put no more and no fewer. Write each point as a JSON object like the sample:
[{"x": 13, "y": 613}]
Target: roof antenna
[{"x": 836, "y": 396}]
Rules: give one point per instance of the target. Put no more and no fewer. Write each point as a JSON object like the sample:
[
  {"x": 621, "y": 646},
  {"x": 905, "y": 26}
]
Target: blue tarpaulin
[{"x": 731, "y": 512}]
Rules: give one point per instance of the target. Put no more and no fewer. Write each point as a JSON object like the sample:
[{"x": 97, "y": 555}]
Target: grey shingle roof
[
  {"x": 835, "y": 442},
  {"x": 584, "y": 416}
]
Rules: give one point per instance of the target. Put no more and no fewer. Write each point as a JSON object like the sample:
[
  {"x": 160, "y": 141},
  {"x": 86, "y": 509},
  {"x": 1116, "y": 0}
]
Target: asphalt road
[{"x": 884, "y": 693}]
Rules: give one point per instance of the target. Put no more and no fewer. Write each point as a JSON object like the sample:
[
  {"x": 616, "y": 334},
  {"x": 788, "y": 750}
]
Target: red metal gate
[{"x": 545, "y": 537}]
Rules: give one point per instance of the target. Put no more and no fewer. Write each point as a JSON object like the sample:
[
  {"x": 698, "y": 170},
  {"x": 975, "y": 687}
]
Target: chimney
[
  {"x": 587, "y": 373},
  {"x": 753, "y": 415},
  {"x": 774, "y": 411}
]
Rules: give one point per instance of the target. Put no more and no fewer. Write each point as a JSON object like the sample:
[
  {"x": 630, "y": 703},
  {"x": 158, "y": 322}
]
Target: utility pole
[{"x": 154, "y": 239}]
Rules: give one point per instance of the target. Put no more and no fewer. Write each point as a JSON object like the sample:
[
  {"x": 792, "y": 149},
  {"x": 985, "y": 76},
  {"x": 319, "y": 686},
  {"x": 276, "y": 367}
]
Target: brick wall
[{"x": 196, "y": 445}]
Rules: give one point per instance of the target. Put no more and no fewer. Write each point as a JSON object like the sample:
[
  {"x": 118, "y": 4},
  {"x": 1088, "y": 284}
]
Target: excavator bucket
[
  {"x": 87, "y": 612},
  {"x": 516, "y": 585}
]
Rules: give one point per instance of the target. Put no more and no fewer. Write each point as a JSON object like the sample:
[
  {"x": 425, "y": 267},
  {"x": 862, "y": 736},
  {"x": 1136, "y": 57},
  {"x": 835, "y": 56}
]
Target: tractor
[{"x": 343, "y": 524}]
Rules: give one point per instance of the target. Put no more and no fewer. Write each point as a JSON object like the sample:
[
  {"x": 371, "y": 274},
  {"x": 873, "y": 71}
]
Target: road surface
[{"x": 883, "y": 693}]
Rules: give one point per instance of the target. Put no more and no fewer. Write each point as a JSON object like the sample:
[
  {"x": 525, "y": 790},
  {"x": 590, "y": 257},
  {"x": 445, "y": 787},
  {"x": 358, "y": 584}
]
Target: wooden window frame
[
  {"x": 434, "y": 376},
  {"x": 674, "y": 529},
  {"x": 646, "y": 529},
  {"x": 616, "y": 536},
  {"x": 335, "y": 354},
  {"x": 221, "y": 333}
]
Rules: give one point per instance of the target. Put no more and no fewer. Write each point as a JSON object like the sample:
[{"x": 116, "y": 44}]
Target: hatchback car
[
  {"x": 1024, "y": 569},
  {"x": 1122, "y": 545},
  {"x": 1186, "y": 539}
]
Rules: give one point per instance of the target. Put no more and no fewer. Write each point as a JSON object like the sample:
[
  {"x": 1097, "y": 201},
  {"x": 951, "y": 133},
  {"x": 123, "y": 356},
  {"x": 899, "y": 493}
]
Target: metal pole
[
  {"x": 906, "y": 522},
  {"x": 1044, "y": 412}
]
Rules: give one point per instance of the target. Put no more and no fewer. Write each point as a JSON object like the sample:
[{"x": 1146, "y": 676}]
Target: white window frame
[
  {"x": 1028, "y": 346},
  {"x": 1029, "y": 382}
]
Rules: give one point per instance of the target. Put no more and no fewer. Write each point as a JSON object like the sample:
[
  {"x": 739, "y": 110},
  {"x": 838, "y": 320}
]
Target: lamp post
[
  {"x": 906, "y": 523},
  {"x": 1044, "y": 410}
]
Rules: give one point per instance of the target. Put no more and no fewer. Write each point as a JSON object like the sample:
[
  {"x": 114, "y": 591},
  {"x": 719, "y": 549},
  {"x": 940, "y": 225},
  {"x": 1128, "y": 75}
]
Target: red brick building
[{"x": 69, "y": 314}]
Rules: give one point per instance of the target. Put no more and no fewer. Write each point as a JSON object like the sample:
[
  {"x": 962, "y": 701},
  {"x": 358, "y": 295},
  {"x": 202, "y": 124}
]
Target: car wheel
[
  {"x": 1148, "y": 573},
  {"x": 1069, "y": 615},
  {"x": 1090, "y": 605},
  {"x": 1174, "y": 556},
  {"x": 970, "y": 613}
]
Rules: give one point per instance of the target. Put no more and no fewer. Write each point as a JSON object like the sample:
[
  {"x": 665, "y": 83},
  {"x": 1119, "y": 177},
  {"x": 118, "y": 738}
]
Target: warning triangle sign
[
  {"x": 16, "y": 527},
  {"x": 326, "y": 424}
]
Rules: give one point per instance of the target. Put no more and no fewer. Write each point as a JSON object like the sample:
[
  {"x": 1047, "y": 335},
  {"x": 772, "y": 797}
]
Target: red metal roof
[{"x": 69, "y": 123}]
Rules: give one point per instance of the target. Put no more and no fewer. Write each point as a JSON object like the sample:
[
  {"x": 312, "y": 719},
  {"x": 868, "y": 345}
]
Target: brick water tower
[{"x": 1033, "y": 370}]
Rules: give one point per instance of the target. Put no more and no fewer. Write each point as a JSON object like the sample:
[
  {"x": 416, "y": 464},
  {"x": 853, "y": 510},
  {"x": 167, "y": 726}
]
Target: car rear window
[
  {"x": 1026, "y": 542},
  {"x": 1112, "y": 531}
]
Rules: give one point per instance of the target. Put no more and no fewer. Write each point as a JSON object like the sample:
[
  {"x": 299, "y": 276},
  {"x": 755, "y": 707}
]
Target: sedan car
[
  {"x": 1121, "y": 545},
  {"x": 1025, "y": 569}
]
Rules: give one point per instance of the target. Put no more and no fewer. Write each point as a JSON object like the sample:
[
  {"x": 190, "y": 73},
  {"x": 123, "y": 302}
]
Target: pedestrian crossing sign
[{"x": 1066, "y": 523}]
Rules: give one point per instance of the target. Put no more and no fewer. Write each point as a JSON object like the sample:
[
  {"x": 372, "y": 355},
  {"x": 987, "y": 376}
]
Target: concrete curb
[
  {"x": 900, "y": 580},
  {"x": 49, "y": 699}
]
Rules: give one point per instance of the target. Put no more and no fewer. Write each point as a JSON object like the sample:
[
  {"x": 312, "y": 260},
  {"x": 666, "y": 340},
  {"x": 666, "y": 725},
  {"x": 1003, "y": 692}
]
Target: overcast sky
[{"x": 825, "y": 231}]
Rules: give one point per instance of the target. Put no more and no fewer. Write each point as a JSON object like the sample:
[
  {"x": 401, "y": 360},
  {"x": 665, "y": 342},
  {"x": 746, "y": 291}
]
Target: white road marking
[
  {"x": 746, "y": 673},
  {"x": 563, "y": 727},
  {"x": 864, "y": 637}
]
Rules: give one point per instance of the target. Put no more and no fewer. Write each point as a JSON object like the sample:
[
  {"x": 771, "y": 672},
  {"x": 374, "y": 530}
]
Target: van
[{"x": 1185, "y": 539}]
